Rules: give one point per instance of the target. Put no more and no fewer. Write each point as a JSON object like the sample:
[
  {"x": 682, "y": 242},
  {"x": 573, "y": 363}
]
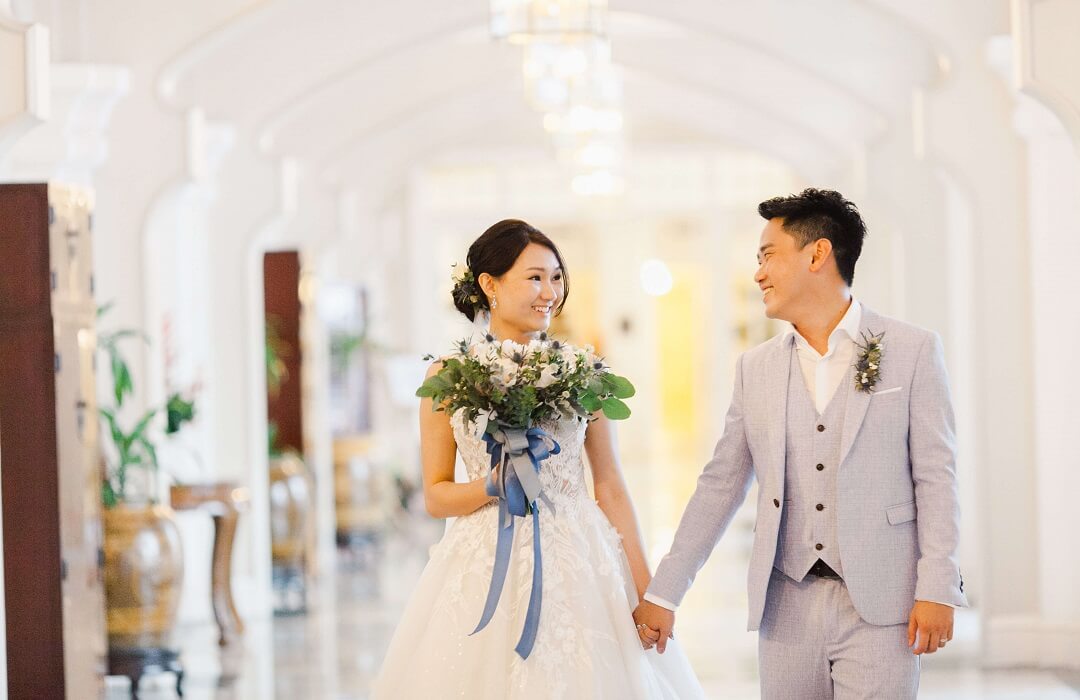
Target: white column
[
  {"x": 1045, "y": 57},
  {"x": 177, "y": 312},
  {"x": 1052, "y": 637},
  {"x": 73, "y": 143}
]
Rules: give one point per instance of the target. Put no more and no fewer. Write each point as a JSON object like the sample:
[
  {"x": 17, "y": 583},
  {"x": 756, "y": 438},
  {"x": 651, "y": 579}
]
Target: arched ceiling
[{"x": 349, "y": 88}]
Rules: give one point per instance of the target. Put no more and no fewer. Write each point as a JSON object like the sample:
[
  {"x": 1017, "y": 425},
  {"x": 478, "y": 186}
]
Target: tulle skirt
[{"x": 586, "y": 644}]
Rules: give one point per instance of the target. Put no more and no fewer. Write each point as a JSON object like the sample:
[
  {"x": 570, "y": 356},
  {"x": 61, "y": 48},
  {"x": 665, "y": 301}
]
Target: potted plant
[{"x": 143, "y": 558}]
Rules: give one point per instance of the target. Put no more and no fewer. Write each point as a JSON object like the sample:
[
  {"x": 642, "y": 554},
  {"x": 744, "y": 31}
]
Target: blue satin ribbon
[{"x": 518, "y": 488}]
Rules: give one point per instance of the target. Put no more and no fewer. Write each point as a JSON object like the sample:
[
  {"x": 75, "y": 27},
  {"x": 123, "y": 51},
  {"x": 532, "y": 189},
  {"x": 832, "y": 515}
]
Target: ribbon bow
[{"x": 519, "y": 453}]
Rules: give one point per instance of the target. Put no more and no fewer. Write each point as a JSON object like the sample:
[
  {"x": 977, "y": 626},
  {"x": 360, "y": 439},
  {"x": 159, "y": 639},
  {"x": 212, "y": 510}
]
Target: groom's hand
[
  {"x": 931, "y": 624},
  {"x": 660, "y": 621}
]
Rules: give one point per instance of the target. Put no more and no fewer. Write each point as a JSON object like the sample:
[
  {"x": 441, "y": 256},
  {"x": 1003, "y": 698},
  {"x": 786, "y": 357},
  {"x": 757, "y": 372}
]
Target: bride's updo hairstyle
[{"x": 495, "y": 252}]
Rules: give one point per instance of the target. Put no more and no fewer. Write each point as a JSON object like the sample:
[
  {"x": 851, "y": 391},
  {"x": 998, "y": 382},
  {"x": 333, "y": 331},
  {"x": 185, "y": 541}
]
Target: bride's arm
[
  {"x": 613, "y": 497},
  {"x": 442, "y": 496}
]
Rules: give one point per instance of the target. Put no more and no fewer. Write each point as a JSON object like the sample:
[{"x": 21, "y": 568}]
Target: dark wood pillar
[
  {"x": 28, "y": 448},
  {"x": 281, "y": 280}
]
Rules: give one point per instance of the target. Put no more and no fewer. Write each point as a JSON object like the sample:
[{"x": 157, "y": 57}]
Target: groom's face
[{"x": 783, "y": 271}]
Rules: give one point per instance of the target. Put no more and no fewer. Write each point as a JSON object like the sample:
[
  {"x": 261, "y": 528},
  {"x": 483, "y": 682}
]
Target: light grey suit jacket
[{"x": 898, "y": 518}]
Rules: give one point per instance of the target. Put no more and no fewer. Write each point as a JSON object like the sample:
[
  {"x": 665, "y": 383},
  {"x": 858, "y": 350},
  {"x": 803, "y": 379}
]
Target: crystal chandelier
[
  {"x": 568, "y": 77},
  {"x": 525, "y": 21},
  {"x": 592, "y": 105},
  {"x": 557, "y": 73}
]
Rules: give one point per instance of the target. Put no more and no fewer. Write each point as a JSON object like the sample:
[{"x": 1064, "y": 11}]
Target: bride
[{"x": 593, "y": 565}]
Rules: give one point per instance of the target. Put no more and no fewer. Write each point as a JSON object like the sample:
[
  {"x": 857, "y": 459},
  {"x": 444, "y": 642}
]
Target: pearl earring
[{"x": 494, "y": 301}]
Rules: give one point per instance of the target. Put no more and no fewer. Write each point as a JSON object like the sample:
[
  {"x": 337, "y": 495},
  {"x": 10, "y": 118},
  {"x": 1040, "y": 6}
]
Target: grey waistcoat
[{"x": 803, "y": 525}]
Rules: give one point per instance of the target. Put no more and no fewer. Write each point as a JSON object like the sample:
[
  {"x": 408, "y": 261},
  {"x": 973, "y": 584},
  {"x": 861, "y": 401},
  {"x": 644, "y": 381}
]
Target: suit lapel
[
  {"x": 858, "y": 401},
  {"x": 778, "y": 375}
]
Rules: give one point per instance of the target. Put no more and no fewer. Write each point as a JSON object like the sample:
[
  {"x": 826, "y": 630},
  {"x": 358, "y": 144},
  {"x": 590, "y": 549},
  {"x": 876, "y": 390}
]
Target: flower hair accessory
[{"x": 466, "y": 289}]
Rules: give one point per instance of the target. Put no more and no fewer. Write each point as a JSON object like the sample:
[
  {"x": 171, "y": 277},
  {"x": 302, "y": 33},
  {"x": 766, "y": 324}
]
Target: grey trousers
[{"x": 814, "y": 646}]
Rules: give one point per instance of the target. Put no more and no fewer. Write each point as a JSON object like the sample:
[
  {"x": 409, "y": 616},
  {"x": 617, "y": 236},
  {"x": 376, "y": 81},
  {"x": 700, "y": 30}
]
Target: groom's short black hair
[{"x": 814, "y": 214}]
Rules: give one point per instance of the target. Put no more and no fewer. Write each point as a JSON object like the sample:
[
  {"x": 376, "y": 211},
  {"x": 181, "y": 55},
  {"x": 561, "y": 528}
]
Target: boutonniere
[{"x": 868, "y": 366}]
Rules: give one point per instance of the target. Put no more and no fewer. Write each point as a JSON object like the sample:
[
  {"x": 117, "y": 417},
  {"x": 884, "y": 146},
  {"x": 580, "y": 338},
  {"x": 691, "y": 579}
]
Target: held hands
[
  {"x": 931, "y": 624},
  {"x": 654, "y": 625}
]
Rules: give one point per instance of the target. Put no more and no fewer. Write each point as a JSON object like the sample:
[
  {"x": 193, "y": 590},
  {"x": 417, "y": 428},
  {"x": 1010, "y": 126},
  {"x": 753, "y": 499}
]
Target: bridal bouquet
[
  {"x": 511, "y": 385},
  {"x": 508, "y": 390}
]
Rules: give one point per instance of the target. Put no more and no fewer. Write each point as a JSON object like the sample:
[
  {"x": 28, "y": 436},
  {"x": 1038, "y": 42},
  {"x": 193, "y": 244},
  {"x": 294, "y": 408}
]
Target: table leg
[{"x": 229, "y": 623}]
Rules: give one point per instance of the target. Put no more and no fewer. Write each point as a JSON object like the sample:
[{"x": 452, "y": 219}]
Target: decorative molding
[
  {"x": 1046, "y": 55},
  {"x": 207, "y": 145},
  {"x": 73, "y": 143},
  {"x": 24, "y": 90}
]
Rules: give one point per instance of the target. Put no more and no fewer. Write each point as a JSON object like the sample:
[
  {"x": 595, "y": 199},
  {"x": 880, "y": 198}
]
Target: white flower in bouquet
[
  {"x": 511, "y": 349},
  {"x": 506, "y": 371},
  {"x": 481, "y": 422},
  {"x": 485, "y": 353},
  {"x": 569, "y": 355},
  {"x": 548, "y": 376}
]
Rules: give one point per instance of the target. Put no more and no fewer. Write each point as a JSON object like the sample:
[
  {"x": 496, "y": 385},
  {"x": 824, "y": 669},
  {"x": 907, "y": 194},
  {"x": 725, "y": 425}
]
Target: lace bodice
[{"x": 562, "y": 475}]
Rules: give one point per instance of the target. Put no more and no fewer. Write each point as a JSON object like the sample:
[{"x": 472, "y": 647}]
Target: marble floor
[{"x": 334, "y": 651}]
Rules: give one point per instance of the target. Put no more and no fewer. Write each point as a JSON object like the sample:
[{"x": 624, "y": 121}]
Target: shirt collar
[{"x": 849, "y": 324}]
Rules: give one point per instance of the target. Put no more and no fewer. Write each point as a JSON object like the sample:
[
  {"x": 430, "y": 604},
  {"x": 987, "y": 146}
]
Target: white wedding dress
[{"x": 586, "y": 645}]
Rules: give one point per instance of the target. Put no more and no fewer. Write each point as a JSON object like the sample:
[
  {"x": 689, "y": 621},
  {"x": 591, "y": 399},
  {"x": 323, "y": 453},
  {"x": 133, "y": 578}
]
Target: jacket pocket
[
  {"x": 883, "y": 392},
  {"x": 901, "y": 513}
]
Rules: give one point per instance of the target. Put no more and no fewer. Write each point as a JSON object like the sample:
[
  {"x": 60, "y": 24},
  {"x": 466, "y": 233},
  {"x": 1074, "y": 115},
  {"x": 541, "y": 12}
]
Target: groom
[{"x": 846, "y": 423}]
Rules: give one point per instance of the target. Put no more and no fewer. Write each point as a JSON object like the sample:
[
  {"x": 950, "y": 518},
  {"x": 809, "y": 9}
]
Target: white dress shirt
[{"x": 822, "y": 373}]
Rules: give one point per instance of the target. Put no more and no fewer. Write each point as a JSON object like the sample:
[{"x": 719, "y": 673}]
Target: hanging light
[
  {"x": 599, "y": 153},
  {"x": 556, "y": 75},
  {"x": 597, "y": 182},
  {"x": 568, "y": 77},
  {"x": 582, "y": 119},
  {"x": 525, "y": 21},
  {"x": 589, "y": 132},
  {"x": 593, "y": 103}
]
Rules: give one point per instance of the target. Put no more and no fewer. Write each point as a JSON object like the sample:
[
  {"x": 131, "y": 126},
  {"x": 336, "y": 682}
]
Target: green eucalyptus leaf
[
  {"x": 620, "y": 387},
  {"x": 590, "y": 402},
  {"x": 615, "y": 409}
]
